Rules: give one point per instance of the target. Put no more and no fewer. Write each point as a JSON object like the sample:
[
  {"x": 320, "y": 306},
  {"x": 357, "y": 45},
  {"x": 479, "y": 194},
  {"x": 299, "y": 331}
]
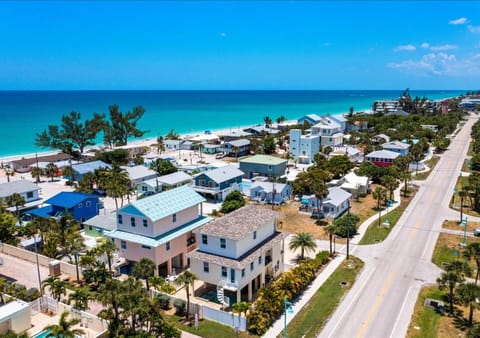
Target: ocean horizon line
[{"x": 232, "y": 90}]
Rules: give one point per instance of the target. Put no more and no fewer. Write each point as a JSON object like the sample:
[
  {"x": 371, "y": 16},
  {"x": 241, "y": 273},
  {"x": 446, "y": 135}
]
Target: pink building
[{"x": 160, "y": 227}]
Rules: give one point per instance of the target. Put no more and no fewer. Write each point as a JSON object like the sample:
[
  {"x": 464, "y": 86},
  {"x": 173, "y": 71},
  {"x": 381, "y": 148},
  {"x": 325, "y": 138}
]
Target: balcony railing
[{"x": 191, "y": 241}]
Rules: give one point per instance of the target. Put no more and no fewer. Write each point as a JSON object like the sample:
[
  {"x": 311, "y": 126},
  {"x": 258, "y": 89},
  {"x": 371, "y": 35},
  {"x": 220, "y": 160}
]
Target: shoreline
[{"x": 136, "y": 142}]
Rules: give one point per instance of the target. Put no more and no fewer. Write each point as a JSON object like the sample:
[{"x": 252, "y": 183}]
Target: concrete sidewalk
[
  {"x": 364, "y": 226},
  {"x": 278, "y": 326}
]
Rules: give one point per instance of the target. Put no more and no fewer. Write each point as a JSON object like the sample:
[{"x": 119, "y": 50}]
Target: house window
[
  {"x": 144, "y": 188},
  {"x": 88, "y": 204},
  {"x": 206, "y": 268},
  {"x": 123, "y": 245},
  {"x": 120, "y": 219},
  {"x": 145, "y": 224},
  {"x": 146, "y": 247},
  {"x": 223, "y": 243},
  {"x": 269, "y": 168},
  {"x": 224, "y": 271},
  {"x": 90, "y": 228},
  {"x": 167, "y": 246},
  {"x": 132, "y": 221},
  {"x": 30, "y": 194},
  {"x": 80, "y": 205},
  {"x": 204, "y": 239},
  {"x": 201, "y": 183},
  {"x": 255, "y": 234},
  {"x": 243, "y": 273},
  {"x": 174, "y": 218},
  {"x": 259, "y": 260},
  {"x": 251, "y": 266},
  {"x": 232, "y": 275}
]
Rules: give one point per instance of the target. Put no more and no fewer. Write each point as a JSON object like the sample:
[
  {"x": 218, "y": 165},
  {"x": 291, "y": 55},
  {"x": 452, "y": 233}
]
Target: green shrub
[
  {"x": 269, "y": 305},
  {"x": 233, "y": 201},
  {"x": 164, "y": 302},
  {"x": 180, "y": 306}
]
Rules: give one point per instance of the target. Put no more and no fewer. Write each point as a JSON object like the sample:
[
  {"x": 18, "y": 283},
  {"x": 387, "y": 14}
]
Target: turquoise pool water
[
  {"x": 42, "y": 334},
  {"x": 245, "y": 185}
]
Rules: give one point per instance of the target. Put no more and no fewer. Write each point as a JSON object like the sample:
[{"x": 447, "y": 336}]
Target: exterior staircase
[{"x": 220, "y": 295}]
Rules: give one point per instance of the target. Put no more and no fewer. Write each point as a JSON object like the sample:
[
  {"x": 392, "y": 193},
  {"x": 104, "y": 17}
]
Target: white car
[
  {"x": 476, "y": 232},
  {"x": 297, "y": 198}
]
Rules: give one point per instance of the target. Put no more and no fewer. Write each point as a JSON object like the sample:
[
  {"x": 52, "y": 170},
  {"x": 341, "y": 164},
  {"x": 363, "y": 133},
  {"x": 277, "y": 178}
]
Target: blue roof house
[
  {"x": 79, "y": 205},
  {"x": 88, "y": 167},
  {"x": 218, "y": 183},
  {"x": 160, "y": 227}
]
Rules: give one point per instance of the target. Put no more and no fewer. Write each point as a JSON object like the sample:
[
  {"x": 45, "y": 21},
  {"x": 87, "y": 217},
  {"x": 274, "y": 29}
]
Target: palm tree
[
  {"x": 390, "y": 183},
  {"x": 51, "y": 170},
  {"x": 3, "y": 288},
  {"x": 73, "y": 246},
  {"x": 108, "y": 295},
  {"x": 406, "y": 176},
  {"x": 330, "y": 230},
  {"x": 8, "y": 172},
  {"x": 57, "y": 287},
  {"x": 108, "y": 248},
  {"x": 268, "y": 121},
  {"x": 472, "y": 251},
  {"x": 64, "y": 328},
  {"x": 450, "y": 280},
  {"x": 69, "y": 173},
  {"x": 240, "y": 307},
  {"x": 117, "y": 184},
  {"x": 304, "y": 241},
  {"x": 15, "y": 200},
  {"x": 281, "y": 119},
  {"x": 187, "y": 279},
  {"x": 379, "y": 194},
  {"x": 80, "y": 298},
  {"x": 468, "y": 294},
  {"x": 36, "y": 173},
  {"x": 143, "y": 269},
  {"x": 160, "y": 144},
  {"x": 320, "y": 190}
]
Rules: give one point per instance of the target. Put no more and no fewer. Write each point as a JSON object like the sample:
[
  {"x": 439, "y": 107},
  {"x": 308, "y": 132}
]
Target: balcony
[
  {"x": 268, "y": 260},
  {"x": 191, "y": 240}
]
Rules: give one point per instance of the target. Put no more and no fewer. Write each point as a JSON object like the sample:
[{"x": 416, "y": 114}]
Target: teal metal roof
[
  {"x": 159, "y": 240},
  {"x": 167, "y": 203}
]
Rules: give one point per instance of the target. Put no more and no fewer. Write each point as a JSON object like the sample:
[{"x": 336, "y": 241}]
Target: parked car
[
  {"x": 219, "y": 156},
  {"x": 476, "y": 232},
  {"x": 298, "y": 197}
]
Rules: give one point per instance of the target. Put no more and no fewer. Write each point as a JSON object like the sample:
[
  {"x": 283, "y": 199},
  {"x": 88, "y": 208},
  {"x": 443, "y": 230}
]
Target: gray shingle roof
[
  {"x": 239, "y": 143},
  {"x": 239, "y": 223},
  {"x": 244, "y": 261},
  {"x": 337, "y": 196},
  {"x": 138, "y": 172},
  {"x": 223, "y": 174},
  {"x": 107, "y": 222},
  {"x": 174, "y": 178},
  {"x": 19, "y": 187}
]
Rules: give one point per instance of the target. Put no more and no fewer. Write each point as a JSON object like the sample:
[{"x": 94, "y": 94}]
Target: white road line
[
  {"x": 400, "y": 313},
  {"x": 351, "y": 303}
]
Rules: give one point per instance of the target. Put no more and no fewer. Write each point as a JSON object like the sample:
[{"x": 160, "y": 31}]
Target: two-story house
[
  {"x": 330, "y": 132},
  {"x": 397, "y": 147},
  {"x": 165, "y": 182},
  {"x": 218, "y": 183},
  {"x": 263, "y": 165},
  {"x": 239, "y": 253},
  {"x": 160, "y": 227},
  {"x": 79, "y": 205}
]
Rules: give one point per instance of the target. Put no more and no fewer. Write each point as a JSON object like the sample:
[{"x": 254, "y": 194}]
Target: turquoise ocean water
[{"x": 24, "y": 113}]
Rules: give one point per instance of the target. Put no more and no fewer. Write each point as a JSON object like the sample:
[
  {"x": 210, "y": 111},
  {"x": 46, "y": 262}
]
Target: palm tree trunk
[
  {"x": 330, "y": 238},
  {"x": 76, "y": 266},
  {"x": 478, "y": 270},
  {"x": 451, "y": 301},
  {"x": 188, "y": 301},
  {"x": 470, "y": 314}
]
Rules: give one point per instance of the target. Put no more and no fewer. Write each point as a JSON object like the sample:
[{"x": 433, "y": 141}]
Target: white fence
[{"x": 203, "y": 311}]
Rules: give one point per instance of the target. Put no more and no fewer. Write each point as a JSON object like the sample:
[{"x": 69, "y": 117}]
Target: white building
[
  {"x": 303, "y": 147},
  {"x": 356, "y": 185},
  {"x": 139, "y": 174},
  {"x": 15, "y": 316},
  {"x": 330, "y": 132},
  {"x": 239, "y": 253}
]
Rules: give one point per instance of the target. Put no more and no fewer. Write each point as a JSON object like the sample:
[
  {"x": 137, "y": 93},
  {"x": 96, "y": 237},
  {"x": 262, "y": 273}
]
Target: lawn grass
[
  {"x": 465, "y": 166},
  {"x": 447, "y": 249},
  {"x": 431, "y": 164},
  {"x": 462, "y": 181},
  {"x": 425, "y": 321},
  {"x": 310, "y": 320},
  {"x": 454, "y": 225},
  {"x": 470, "y": 150},
  {"x": 206, "y": 328},
  {"x": 375, "y": 233}
]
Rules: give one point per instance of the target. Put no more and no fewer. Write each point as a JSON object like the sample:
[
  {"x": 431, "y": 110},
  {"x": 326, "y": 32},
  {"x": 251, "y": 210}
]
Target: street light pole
[
  {"x": 387, "y": 223},
  {"x": 464, "y": 224},
  {"x": 287, "y": 306}
]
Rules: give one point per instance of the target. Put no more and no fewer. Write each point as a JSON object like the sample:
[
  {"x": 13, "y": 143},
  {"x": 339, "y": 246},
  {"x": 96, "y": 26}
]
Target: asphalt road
[{"x": 381, "y": 302}]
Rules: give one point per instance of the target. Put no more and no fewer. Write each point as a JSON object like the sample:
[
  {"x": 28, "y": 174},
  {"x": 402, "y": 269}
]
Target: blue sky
[{"x": 240, "y": 45}]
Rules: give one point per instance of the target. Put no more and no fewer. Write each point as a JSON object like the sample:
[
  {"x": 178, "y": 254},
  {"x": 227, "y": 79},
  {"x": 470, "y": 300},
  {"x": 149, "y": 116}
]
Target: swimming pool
[
  {"x": 245, "y": 185},
  {"x": 42, "y": 334}
]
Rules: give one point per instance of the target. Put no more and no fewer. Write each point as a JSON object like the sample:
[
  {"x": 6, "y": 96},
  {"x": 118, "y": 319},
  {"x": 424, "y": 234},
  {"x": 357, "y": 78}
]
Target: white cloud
[
  {"x": 459, "y": 21},
  {"x": 425, "y": 45},
  {"x": 408, "y": 48},
  {"x": 443, "y": 47},
  {"x": 474, "y": 29},
  {"x": 440, "y": 64}
]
